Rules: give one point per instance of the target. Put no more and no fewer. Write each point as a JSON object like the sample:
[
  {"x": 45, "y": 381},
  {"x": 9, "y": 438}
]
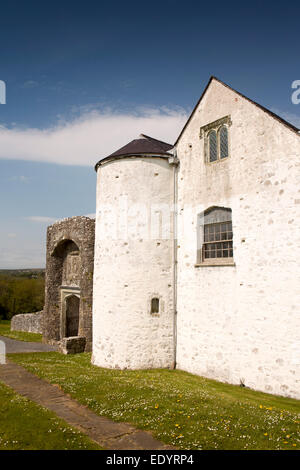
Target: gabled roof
[
  {"x": 144, "y": 145},
  {"x": 275, "y": 116}
]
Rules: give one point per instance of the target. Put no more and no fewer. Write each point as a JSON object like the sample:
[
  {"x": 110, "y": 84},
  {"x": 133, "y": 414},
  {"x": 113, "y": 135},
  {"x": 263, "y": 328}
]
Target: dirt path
[{"x": 105, "y": 432}]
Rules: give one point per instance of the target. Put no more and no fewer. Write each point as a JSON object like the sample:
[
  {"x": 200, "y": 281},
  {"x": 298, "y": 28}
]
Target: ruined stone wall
[
  {"x": 241, "y": 323},
  {"x": 71, "y": 271},
  {"x": 133, "y": 265},
  {"x": 69, "y": 264},
  {"x": 29, "y": 322}
]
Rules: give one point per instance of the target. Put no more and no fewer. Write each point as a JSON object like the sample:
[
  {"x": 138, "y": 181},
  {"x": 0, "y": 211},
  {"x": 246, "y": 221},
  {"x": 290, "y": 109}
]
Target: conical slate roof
[
  {"x": 144, "y": 144},
  {"x": 141, "y": 146}
]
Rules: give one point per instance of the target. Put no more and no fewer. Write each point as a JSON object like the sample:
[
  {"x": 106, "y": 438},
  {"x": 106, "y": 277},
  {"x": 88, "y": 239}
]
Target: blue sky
[{"x": 83, "y": 78}]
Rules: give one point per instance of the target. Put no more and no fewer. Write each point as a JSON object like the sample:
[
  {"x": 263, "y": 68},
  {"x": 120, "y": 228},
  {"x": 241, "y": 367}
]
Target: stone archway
[
  {"x": 69, "y": 271},
  {"x": 72, "y": 315}
]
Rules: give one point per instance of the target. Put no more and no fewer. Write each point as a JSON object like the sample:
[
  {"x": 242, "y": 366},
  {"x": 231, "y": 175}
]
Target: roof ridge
[
  {"x": 268, "y": 111},
  {"x": 156, "y": 140},
  {"x": 263, "y": 108}
]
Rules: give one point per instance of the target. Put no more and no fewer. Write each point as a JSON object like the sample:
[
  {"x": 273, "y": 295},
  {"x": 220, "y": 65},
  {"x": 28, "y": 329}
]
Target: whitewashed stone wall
[
  {"x": 241, "y": 323},
  {"x": 132, "y": 265}
]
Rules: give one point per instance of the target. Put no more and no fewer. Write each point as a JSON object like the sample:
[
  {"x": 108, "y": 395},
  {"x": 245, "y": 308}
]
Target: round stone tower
[{"x": 133, "y": 292}]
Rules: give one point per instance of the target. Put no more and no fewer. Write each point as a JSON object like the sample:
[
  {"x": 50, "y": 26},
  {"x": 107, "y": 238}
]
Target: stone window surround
[
  {"x": 65, "y": 292},
  {"x": 216, "y": 126}
]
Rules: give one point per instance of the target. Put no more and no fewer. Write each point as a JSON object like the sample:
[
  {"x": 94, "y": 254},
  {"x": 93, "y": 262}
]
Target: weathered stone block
[{"x": 72, "y": 345}]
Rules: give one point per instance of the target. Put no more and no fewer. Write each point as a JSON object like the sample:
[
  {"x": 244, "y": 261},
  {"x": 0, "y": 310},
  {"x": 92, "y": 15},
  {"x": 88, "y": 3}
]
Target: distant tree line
[{"x": 20, "y": 294}]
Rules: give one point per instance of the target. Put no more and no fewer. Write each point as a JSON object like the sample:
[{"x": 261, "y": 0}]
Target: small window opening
[{"x": 155, "y": 305}]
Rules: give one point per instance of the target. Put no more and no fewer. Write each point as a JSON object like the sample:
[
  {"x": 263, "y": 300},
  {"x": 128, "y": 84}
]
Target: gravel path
[{"x": 14, "y": 346}]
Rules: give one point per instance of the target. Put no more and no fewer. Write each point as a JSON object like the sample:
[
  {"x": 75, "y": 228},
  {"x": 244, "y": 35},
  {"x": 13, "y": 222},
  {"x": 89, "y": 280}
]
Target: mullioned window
[{"x": 216, "y": 139}]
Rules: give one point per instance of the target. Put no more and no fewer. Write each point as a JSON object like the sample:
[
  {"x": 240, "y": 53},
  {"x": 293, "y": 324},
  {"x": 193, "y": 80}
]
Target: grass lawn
[
  {"x": 182, "y": 409},
  {"x": 20, "y": 335},
  {"x": 27, "y": 426}
]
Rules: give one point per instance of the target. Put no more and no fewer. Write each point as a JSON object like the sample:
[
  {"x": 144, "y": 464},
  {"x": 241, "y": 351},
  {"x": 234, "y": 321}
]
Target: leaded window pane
[
  {"x": 223, "y": 142},
  {"x": 213, "y": 149}
]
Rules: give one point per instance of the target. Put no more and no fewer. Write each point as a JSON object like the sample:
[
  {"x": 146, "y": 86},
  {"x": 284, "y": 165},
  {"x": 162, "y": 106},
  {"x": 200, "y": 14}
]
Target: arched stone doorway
[
  {"x": 69, "y": 272},
  {"x": 72, "y": 315}
]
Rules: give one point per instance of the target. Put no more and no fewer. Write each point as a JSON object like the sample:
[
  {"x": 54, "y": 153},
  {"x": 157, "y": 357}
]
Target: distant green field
[
  {"x": 21, "y": 291},
  {"x": 23, "y": 273},
  {"x": 19, "y": 335},
  {"x": 181, "y": 409}
]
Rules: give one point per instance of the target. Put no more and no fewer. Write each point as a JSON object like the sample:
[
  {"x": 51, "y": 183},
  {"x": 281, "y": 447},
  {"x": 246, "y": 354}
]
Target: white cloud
[
  {"x": 41, "y": 219},
  {"x": 86, "y": 139},
  {"x": 11, "y": 235}
]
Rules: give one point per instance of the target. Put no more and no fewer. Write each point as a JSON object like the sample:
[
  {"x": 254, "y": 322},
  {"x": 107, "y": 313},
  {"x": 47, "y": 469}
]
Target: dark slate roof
[
  {"x": 266, "y": 110},
  {"x": 141, "y": 146},
  {"x": 144, "y": 144}
]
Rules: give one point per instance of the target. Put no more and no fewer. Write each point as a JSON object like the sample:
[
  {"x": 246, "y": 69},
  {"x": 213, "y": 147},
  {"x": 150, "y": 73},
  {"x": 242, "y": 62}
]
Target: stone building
[
  {"x": 133, "y": 282},
  {"x": 215, "y": 289},
  {"x": 196, "y": 262},
  {"x": 67, "y": 317},
  {"x": 238, "y": 299}
]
